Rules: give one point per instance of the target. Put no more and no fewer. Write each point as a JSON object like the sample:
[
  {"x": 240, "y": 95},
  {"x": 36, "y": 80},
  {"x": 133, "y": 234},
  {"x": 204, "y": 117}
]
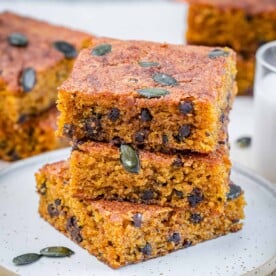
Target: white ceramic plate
[{"x": 22, "y": 231}]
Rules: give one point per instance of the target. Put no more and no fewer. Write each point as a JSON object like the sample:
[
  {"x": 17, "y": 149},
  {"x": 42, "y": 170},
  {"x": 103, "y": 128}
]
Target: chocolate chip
[
  {"x": 146, "y": 250},
  {"x": 165, "y": 139},
  {"x": 235, "y": 191},
  {"x": 137, "y": 220},
  {"x": 248, "y": 17},
  {"x": 195, "y": 197},
  {"x": 92, "y": 127},
  {"x": 222, "y": 118},
  {"x": 42, "y": 189},
  {"x": 183, "y": 132},
  {"x": 22, "y": 119},
  {"x": 177, "y": 162},
  {"x": 117, "y": 141},
  {"x": 141, "y": 136},
  {"x": 58, "y": 202},
  {"x": 74, "y": 230},
  {"x": 186, "y": 108},
  {"x": 28, "y": 79},
  {"x": 52, "y": 210},
  {"x": 147, "y": 195},
  {"x": 114, "y": 114},
  {"x": 14, "y": 156},
  {"x": 178, "y": 193},
  {"x": 187, "y": 243},
  {"x": 76, "y": 144},
  {"x": 195, "y": 218},
  {"x": 18, "y": 40},
  {"x": 68, "y": 50},
  {"x": 175, "y": 237},
  {"x": 68, "y": 130},
  {"x": 145, "y": 115}
]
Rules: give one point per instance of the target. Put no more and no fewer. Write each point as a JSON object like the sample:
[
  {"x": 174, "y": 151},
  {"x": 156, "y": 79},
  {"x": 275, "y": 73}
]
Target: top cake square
[
  {"x": 35, "y": 58},
  {"x": 155, "y": 96}
]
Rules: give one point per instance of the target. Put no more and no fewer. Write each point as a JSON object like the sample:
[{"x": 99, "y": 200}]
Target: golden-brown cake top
[
  {"x": 249, "y": 6},
  {"x": 116, "y": 67},
  {"x": 36, "y": 49}
]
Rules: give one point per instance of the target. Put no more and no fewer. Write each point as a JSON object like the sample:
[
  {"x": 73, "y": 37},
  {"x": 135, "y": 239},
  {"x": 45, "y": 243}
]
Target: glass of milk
[{"x": 264, "y": 137}]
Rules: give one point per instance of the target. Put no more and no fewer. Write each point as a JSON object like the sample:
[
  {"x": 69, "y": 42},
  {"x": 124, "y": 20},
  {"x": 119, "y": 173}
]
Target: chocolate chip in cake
[
  {"x": 58, "y": 202},
  {"x": 101, "y": 50},
  {"x": 195, "y": 197},
  {"x": 52, "y": 210},
  {"x": 147, "y": 195},
  {"x": 141, "y": 136},
  {"x": 137, "y": 220},
  {"x": 68, "y": 130},
  {"x": 114, "y": 114},
  {"x": 187, "y": 243},
  {"x": 179, "y": 194},
  {"x": 76, "y": 144},
  {"x": 222, "y": 118},
  {"x": 218, "y": 53},
  {"x": 18, "y": 40},
  {"x": 92, "y": 127},
  {"x": 69, "y": 51},
  {"x": 164, "y": 79},
  {"x": 195, "y": 218},
  {"x": 145, "y": 115},
  {"x": 177, "y": 162},
  {"x": 117, "y": 141},
  {"x": 153, "y": 92},
  {"x": 28, "y": 79},
  {"x": 129, "y": 159},
  {"x": 186, "y": 108},
  {"x": 146, "y": 250},
  {"x": 165, "y": 139},
  {"x": 248, "y": 17},
  {"x": 13, "y": 155},
  {"x": 22, "y": 119},
  {"x": 175, "y": 237},
  {"x": 74, "y": 230},
  {"x": 42, "y": 189},
  {"x": 148, "y": 64},
  {"x": 235, "y": 191},
  {"x": 183, "y": 132}
]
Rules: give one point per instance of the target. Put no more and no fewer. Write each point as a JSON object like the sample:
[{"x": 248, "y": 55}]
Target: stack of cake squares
[
  {"x": 149, "y": 170},
  {"x": 35, "y": 58}
]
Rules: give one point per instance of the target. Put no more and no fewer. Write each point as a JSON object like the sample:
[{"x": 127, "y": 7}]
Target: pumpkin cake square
[
  {"x": 242, "y": 25},
  {"x": 192, "y": 181},
  {"x": 30, "y": 136},
  {"x": 159, "y": 97},
  {"x": 122, "y": 233},
  {"x": 35, "y": 58}
]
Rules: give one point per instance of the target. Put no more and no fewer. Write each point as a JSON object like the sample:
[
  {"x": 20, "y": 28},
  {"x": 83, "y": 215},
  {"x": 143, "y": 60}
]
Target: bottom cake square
[{"x": 121, "y": 233}]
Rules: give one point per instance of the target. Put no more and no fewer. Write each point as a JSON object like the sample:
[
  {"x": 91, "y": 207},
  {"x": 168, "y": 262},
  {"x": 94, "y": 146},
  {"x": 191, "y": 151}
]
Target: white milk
[{"x": 264, "y": 139}]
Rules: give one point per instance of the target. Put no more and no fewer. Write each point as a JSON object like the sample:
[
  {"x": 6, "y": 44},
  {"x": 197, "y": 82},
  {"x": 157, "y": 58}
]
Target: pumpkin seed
[
  {"x": 218, "y": 53},
  {"x": 164, "y": 79},
  {"x": 28, "y": 79},
  {"x": 148, "y": 64},
  {"x": 26, "y": 259},
  {"x": 153, "y": 92},
  {"x": 129, "y": 159},
  {"x": 66, "y": 48},
  {"x": 234, "y": 192},
  {"x": 56, "y": 251},
  {"x": 101, "y": 50},
  {"x": 18, "y": 39},
  {"x": 244, "y": 142}
]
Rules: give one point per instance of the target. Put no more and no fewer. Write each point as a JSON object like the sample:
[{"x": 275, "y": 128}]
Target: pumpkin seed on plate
[
  {"x": 244, "y": 142},
  {"x": 56, "y": 251},
  {"x": 101, "y": 49},
  {"x": 129, "y": 159},
  {"x": 26, "y": 259},
  {"x": 164, "y": 79},
  {"x": 153, "y": 92}
]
